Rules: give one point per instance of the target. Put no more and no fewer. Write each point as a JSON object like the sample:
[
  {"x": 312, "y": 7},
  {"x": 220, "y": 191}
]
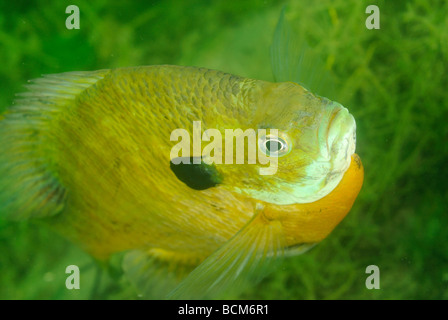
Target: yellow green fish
[{"x": 89, "y": 154}]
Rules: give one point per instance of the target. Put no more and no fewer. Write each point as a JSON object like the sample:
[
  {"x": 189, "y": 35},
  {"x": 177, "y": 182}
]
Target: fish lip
[
  {"x": 341, "y": 139},
  {"x": 341, "y": 125},
  {"x": 331, "y": 124}
]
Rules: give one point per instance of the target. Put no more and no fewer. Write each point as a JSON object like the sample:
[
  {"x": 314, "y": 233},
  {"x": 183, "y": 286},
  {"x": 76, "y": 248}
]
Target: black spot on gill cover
[{"x": 197, "y": 176}]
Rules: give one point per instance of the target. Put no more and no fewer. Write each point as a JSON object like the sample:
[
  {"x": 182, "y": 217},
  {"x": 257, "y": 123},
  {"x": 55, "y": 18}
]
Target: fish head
[{"x": 307, "y": 139}]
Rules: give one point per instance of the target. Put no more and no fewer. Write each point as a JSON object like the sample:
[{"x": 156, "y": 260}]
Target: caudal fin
[{"x": 29, "y": 184}]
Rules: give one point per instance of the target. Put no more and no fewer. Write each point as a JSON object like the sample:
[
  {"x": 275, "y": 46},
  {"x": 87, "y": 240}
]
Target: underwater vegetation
[{"x": 392, "y": 80}]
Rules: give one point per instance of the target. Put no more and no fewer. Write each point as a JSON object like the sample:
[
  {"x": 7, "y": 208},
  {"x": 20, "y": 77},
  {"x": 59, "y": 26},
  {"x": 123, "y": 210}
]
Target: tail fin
[{"x": 29, "y": 185}]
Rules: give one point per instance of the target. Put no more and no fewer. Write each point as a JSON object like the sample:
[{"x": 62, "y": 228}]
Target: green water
[{"x": 393, "y": 80}]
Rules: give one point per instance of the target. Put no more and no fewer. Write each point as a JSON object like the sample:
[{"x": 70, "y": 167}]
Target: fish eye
[{"x": 274, "y": 146}]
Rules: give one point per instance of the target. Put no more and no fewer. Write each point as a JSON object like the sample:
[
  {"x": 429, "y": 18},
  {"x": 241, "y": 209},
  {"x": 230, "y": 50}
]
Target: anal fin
[{"x": 155, "y": 272}]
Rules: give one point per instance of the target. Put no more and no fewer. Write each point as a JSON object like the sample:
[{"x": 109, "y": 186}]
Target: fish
[{"x": 88, "y": 153}]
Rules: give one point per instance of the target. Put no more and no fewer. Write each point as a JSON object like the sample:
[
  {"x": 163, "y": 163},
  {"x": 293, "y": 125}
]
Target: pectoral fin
[{"x": 247, "y": 256}]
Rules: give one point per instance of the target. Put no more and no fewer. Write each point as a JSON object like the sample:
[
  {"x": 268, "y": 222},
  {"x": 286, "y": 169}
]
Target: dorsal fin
[
  {"x": 293, "y": 59},
  {"x": 29, "y": 185}
]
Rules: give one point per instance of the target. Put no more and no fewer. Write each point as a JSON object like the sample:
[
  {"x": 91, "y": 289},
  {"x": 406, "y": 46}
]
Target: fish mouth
[{"x": 340, "y": 139}]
